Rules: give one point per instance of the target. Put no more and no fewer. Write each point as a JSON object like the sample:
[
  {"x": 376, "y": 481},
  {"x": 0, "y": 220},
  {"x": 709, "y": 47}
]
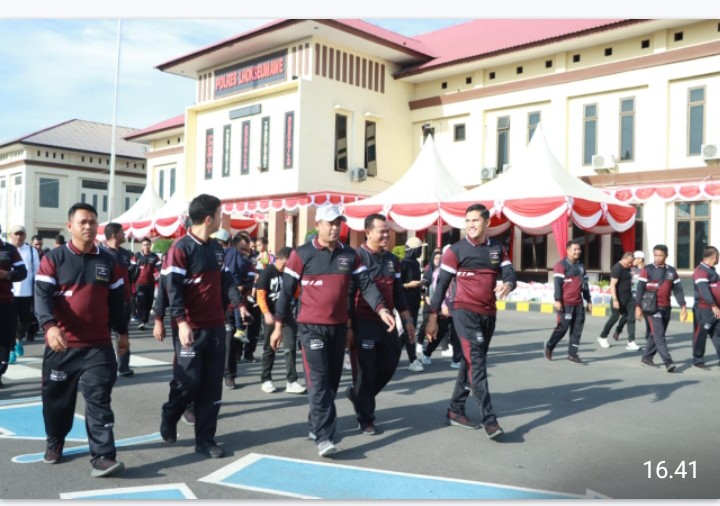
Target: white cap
[
  {"x": 221, "y": 235},
  {"x": 638, "y": 254},
  {"x": 328, "y": 212},
  {"x": 414, "y": 242}
]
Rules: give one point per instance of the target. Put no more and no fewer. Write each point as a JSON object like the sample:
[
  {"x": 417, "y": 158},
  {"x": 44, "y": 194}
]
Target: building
[
  {"x": 296, "y": 108},
  {"x": 44, "y": 173}
]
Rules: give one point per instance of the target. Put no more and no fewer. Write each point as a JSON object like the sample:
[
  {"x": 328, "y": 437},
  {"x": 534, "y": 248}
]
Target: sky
[{"x": 55, "y": 70}]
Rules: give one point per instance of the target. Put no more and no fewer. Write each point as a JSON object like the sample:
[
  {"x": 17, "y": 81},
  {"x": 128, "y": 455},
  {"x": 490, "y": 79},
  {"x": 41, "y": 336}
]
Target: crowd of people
[{"x": 223, "y": 296}]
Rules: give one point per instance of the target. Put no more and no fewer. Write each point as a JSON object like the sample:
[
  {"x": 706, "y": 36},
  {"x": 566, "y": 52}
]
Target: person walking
[
  {"x": 79, "y": 298},
  {"x": 706, "y": 308},
  {"x": 269, "y": 287},
  {"x": 375, "y": 350},
  {"x": 324, "y": 267},
  {"x": 199, "y": 289},
  {"x": 659, "y": 279},
  {"x": 114, "y": 237},
  {"x": 411, "y": 277},
  {"x": 146, "y": 270},
  {"x": 622, "y": 301},
  {"x": 23, "y": 291},
  {"x": 637, "y": 265},
  {"x": 475, "y": 262},
  {"x": 571, "y": 287},
  {"x": 12, "y": 270}
]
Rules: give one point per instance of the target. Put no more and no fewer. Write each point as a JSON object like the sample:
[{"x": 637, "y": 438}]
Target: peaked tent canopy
[
  {"x": 413, "y": 201},
  {"x": 145, "y": 208},
  {"x": 540, "y": 196}
]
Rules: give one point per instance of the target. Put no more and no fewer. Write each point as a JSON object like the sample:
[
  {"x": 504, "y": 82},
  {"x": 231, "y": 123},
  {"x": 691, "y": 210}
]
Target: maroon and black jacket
[
  {"x": 82, "y": 293},
  {"x": 662, "y": 279},
  {"x": 325, "y": 277},
  {"x": 124, "y": 259},
  {"x": 11, "y": 261},
  {"x": 571, "y": 283},
  {"x": 384, "y": 269},
  {"x": 476, "y": 268},
  {"x": 145, "y": 267},
  {"x": 707, "y": 286}
]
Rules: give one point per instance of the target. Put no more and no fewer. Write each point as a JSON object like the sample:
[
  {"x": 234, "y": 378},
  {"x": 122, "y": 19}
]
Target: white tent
[
  {"x": 145, "y": 208},
  {"x": 413, "y": 201}
]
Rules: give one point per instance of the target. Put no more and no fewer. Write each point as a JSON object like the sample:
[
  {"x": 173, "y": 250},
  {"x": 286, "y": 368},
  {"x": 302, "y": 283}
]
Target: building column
[{"x": 275, "y": 230}]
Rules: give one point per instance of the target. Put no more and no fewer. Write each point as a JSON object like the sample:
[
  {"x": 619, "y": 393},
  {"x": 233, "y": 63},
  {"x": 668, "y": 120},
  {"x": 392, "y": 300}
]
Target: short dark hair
[
  {"x": 710, "y": 251},
  {"x": 262, "y": 240},
  {"x": 111, "y": 229},
  {"x": 661, "y": 247},
  {"x": 37, "y": 237},
  {"x": 284, "y": 252},
  {"x": 238, "y": 239},
  {"x": 146, "y": 239},
  {"x": 60, "y": 239},
  {"x": 481, "y": 208},
  {"x": 627, "y": 254},
  {"x": 201, "y": 207},
  {"x": 572, "y": 242},
  {"x": 81, "y": 206},
  {"x": 371, "y": 218}
]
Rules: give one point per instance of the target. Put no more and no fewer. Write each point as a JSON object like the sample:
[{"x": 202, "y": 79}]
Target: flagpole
[{"x": 111, "y": 185}]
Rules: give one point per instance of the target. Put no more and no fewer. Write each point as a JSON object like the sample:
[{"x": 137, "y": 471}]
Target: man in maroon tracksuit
[
  {"x": 324, "y": 267},
  {"x": 12, "y": 269},
  {"x": 475, "y": 262},
  {"x": 146, "y": 270},
  {"x": 706, "y": 309},
  {"x": 375, "y": 350},
  {"x": 79, "y": 297},
  {"x": 571, "y": 287},
  {"x": 663, "y": 279}
]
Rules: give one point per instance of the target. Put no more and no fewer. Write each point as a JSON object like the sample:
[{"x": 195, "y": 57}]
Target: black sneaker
[
  {"x": 53, "y": 451},
  {"x": 648, "y": 362},
  {"x": 574, "y": 359},
  {"x": 127, "y": 373},
  {"x": 670, "y": 367},
  {"x": 701, "y": 365},
  {"x": 493, "y": 430},
  {"x": 210, "y": 449},
  {"x": 250, "y": 359},
  {"x": 548, "y": 352},
  {"x": 350, "y": 393},
  {"x": 168, "y": 431},
  {"x": 105, "y": 466},
  {"x": 188, "y": 417},
  {"x": 367, "y": 428},
  {"x": 460, "y": 420},
  {"x": 141, "y": 326}
]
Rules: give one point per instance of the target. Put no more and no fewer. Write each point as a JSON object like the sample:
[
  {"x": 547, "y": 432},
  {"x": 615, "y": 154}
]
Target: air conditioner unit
[
  {"x": 603, "y": 164},
  {"x": 710, "y": 151},
  {"x": 506, "y": 167},
  {"x": 487, "y": 173},
  {"x": 359, "y": 174}
]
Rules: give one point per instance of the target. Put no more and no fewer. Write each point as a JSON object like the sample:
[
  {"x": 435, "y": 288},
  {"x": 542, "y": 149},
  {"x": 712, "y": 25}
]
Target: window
[
  {"x": 590, "y": 121},
  {"x": 645, "y": 44},
  {"x": 608, "y": 51},
  {"x": 696, "y": 120},
  {"x": 627, "y": 129},
  {"x": 518, "y": 70},
  {"x": 245, "y": 148},
  {"x": 590, "y": 244},
  {"x": 692, "y": 228},
  {"x": 491, "y": 75},
  {"x": 161, "y": 183},
  {"x": 172, "y": 182},
  {"x": 468, "y": 80},
  {"x": 105, "y": 203},
  {"x": 460, "y": 132},
  {"x": 49, "y": 192},
  {"x": 265, "y": 144},
  {"x": 548, "y": 64},
  {"x": 533, "y": 252},
  {"x": 370, "y": 148},
  {"x": 17, "y": 191},
  {"x": 443, "y": 85},
  {"x": 209, "y": 149},
  {"x": 503, "y": 138},
  {"x": 226, "y": 151},
  {"x": 576, "y": 58},
  {"x": 132, "y": 194},
  {"x": 341, "y": 154},
  {"x": 678, "y": 36},
  {"x": 94, "y": 190},
  {"x": 533, "y": 120}
]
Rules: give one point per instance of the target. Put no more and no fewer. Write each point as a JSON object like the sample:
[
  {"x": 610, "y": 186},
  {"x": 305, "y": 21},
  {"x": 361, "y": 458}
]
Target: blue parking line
[
  {"x": 25, "y": 421},
  {"x": 172, "y": 491},
  {"x": 30, "y": 458},
  {"x": 307, "y": 479},
  {"x": 20, "y": 400}
]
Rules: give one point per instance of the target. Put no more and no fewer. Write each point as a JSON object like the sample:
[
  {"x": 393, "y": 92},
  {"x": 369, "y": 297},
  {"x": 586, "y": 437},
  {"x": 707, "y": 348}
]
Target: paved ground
[{"x": 571, "y": 429}]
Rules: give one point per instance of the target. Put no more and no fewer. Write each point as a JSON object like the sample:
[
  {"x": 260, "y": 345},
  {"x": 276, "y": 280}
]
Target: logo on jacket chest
[
  {"x": 344, "y": 264},
  {"x": 494, "y": 257},
  {"x": 219, "y": 258},
  {"x": 390, "y": 267},
  {"x": 102, "y": 272}
]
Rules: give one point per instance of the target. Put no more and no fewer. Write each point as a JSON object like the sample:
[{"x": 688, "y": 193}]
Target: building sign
[
  {"x": 260, "y": 71},
  {"x": 226, "y": 151},
  {"x": 245, "y": 148},
  {"x": 289, "y": 144},
  {"x": 265, "y": 144},
  {"x": 209, "y": 145}
]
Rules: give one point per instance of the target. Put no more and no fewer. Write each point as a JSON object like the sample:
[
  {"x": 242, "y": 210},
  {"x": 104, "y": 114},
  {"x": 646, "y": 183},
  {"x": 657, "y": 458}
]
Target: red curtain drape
[
  {"x": 627, "y": 239},
  {"x": 560, "y": 230}
]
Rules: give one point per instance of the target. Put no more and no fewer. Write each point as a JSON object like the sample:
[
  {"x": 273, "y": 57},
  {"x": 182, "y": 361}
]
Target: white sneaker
[
  {"x": 295, "y": 388},
  {"x": 448, "y": 352},
  {"x": 425, "y": 359},
  {"x": 346, "y": 363},
  {"x": 632, "y": 345},
  {"x": 326, "y": 448},
  {"x": 415, "y": 366},
  {"x": 455, "y": 365},
  {"x": 418, "y": 349},
  {"x": 268, "y": 387},
  {"x": 603, "y": 342}
]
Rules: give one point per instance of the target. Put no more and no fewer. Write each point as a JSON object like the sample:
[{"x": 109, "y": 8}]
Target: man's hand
[
  {"x": 269, "y": 319},
  {"x": 588, "y": 308},
  {"x": 616, "y": 304},
  {"x": 159, "y": 330},
  {"x": 350, "y": 339},
  {"x": 683, "y": 313},
  {"x": 502, "y": 291},
  {"x": 638, "y": 314},
  {"x": 558, "y": 306},
  {"x": 413, "y": 284},
  {"x": 410, "y": 329},
  {"x": 123, "y": 344},
  {"x": 431, "y": 328},
  {"x": 276, "y": 336},
  {"x": 56, "y": 339},
  {"x": 244, "y": 313},
  {"x": 716, "y": 312},
  {"x": 185, "y": 334},
  {"x": 387, "y": 317}
]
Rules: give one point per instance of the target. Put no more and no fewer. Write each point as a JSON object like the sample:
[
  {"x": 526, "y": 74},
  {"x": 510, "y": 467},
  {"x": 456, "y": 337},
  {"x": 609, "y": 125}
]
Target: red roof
[
  {"x": 175, "y": 122},
  {"x": 486, "y": 37}
]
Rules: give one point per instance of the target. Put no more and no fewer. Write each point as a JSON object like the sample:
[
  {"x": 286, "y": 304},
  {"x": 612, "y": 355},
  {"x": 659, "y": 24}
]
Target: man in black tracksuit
[
  {"x": 12, "y": 269},
  {"x": 375, "y": 350},
  {"x": 706, "y": 309},
  {"x": 197, "y": 285},
  {"x": 475, "y": 262},
  {"x": 410, "y": 275},
  {"x": 79, "y": 297},
  {"x": 324, "y": 267},
  {"x": 571, "y": 287}
]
